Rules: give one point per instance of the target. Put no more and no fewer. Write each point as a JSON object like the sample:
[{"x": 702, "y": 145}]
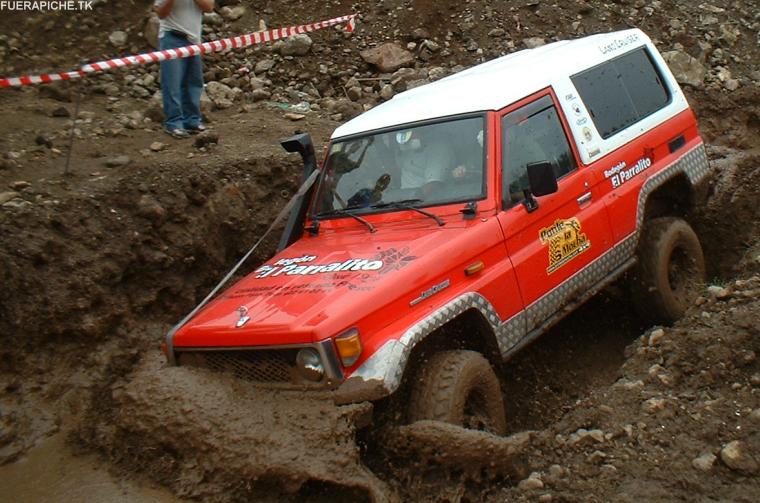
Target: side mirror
[{"x": 542, "y": 179}]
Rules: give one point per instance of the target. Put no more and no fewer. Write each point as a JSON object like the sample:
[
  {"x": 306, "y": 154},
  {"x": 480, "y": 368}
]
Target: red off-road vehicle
[{"x": 452, "y": 225}]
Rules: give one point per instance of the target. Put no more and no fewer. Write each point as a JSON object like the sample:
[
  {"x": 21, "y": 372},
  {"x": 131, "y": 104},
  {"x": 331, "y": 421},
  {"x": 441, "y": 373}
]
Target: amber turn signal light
[
  {"x": 349, "y": 346},
  {"x": 475, "y": 268}
]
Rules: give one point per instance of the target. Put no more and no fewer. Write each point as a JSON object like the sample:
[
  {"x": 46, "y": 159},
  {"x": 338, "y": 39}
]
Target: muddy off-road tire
[
  {"x": 461, "y": 388},
  {"x": 670, "y": 272}
]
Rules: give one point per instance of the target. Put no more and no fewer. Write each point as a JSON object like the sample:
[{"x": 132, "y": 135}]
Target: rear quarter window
[{"x": 620, "y": 92}]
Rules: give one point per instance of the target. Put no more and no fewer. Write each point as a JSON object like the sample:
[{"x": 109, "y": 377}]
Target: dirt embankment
[
  {"x": 83, "y": 277},
  {"x": 95, "y": 266}
]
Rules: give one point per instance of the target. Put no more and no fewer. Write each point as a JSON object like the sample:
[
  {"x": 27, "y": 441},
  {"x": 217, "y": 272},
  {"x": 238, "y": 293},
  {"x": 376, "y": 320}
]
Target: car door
[{"x": 553, "y": 246}]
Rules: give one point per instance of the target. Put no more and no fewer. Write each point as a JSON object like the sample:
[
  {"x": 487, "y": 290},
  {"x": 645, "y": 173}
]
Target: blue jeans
[{"x": 181, "y": 86}]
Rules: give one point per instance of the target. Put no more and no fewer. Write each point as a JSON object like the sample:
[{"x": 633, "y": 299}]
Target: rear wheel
[
  {"x": 461, "y": 388},
  {"x": 670, "y": 272}
]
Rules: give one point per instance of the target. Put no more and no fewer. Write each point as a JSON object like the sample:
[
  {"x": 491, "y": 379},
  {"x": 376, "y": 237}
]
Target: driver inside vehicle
[{"x": 423, "y": 160}]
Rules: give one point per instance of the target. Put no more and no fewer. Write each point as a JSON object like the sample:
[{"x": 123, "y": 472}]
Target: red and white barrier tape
[{"x": 183, "y": 52}]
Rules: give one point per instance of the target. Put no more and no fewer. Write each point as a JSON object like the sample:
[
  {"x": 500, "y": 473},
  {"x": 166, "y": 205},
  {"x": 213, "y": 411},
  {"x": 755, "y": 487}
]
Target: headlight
[{"x": 310, "y": 365}]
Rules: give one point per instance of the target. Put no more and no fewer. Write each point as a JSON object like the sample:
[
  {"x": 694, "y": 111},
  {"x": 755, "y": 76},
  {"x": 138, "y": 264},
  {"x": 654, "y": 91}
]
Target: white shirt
[{"x": 185, "y": 16}]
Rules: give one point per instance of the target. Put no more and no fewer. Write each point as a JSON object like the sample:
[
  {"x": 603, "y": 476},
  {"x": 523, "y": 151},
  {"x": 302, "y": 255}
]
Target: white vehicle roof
[{"x": 497, "y": 83}]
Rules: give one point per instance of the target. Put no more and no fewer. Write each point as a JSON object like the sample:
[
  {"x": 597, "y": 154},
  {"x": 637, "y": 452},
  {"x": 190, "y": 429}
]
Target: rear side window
[{"x": 622, "y": 91}]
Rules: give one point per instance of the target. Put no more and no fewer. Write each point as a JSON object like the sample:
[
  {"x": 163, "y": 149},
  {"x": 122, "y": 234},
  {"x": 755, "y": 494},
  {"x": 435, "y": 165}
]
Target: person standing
[{"x": 182, "y": 79}]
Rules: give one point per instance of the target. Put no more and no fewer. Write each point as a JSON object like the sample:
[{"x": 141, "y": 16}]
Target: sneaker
[
  {"x": 178, "y": 133},
  {"x": 200, "y": 128}
]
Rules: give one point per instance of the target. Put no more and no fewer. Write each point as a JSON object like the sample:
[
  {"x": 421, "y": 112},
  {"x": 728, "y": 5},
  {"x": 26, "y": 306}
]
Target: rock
[
  {"x": 221, "y": 95},
  {"x": 531, "y": 483},
  {"x": 213, "y": 19},
  {"x": 427, "y": 49},
  {"x": 117, "y": 162},
  {"x": 388, "y": 57},
  {"x": 43, "y": 141},
  {"x": 19, "y": 185},
  {"x": 704, "y": 463},
  {"x": 736, "y": 456},
  {"x": 17, "y": 203},
  {"x": 420, "y": 34},
  {"x": 293, "y": 116},
  {"x": 140, "y": 92},
  {"x": 583, "y": 436},
  {"x": 402, "y": 77},
  {"x": 157, "y": 146},
  {"x": 533, "y": 42},
  {"x": 155, "y": 111},
  {"x": 107, "y": 89},
  {"x": 263, "y": 66},
  {"x": 232, "y": 13},
  {"x": 655, "y": 336},
  {"x": 387, "y": 92},
  {"x": 118, "y": 38},
  {"x": 8, "y": 196},
  {"x": 496, "y": 32},
  {"x": 436, "y": 73},
  {"x": 149, "y": 208},
  {"x": 257, "y": 83},
  {"x": 297, "y": 45},
  {"x": 354, "y": 93},
  {"x": 730, "y": 34},
  {"x": 55, "y": 92},
  {"x": 61, "y": 112},
  {"x": 754, "y": 416},
  {"x": 346, "y": 108},
  {"x": 731, "y": 84},
  {"x": 718, "y": 292},
  {"x": 686, "y": 69},
  {"x": 260, "y": 94},
  {"x": 206, "y": 139},
  {"x": 151, "y": 29},
  {"x": 596, "y": 457},
  {"x": 654, "y": 405}
]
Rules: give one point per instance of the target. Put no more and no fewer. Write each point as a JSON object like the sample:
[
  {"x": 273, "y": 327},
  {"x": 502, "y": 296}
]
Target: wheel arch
[
  {"x": 675, "y": 197},
  {"x": 468, "y": 321}
]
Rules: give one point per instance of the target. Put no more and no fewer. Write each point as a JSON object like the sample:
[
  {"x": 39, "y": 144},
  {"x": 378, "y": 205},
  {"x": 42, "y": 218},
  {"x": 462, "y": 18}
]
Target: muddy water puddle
[{"x": 51, "y": 472}]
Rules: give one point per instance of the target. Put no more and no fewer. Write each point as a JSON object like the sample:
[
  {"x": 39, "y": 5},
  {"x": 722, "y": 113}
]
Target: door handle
[{"x": 584, "y": 199}]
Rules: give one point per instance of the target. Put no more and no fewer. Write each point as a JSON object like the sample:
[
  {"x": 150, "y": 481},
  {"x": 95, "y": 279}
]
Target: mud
[
  {"x": 51, "y": 472},
  {"x": 216, "y": 438}
]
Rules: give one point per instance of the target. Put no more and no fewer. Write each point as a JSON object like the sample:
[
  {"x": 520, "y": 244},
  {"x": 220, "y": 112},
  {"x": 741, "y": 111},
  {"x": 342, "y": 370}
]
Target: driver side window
[{"x": 531, "y": 134}]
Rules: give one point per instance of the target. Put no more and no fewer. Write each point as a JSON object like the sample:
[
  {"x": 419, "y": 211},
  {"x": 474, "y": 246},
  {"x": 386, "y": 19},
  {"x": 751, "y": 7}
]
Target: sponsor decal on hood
[{"x": 296, "y": 267}]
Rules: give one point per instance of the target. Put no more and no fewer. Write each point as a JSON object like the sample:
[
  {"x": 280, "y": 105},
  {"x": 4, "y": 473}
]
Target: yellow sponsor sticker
[{"x": 565, "y": 241}]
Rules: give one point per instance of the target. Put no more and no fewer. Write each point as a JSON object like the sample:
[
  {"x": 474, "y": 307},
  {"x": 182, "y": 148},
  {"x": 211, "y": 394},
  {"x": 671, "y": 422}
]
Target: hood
[{"x": 323, "y": 285}]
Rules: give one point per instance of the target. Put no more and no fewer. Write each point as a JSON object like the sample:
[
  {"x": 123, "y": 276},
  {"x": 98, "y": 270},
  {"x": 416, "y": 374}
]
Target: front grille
[{"x": 260, "y": 366}]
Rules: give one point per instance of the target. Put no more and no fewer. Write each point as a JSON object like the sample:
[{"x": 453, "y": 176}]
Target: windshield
[{"x": 430, "y": 164}]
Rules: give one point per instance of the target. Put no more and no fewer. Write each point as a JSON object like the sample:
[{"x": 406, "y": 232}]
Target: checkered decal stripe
[
  {"x": 389, "y": 362},
  {"x": 694, "y": 164},
  {"x": 508, "y": 333}
]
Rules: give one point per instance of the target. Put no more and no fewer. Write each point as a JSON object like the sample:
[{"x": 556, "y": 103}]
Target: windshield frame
[{"x": 483, "y": 115}]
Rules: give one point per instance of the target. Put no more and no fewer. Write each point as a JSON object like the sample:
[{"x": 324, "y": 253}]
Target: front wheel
[
  {"x": 461, "y": 388},
  {"x": 670, "y": 272}
]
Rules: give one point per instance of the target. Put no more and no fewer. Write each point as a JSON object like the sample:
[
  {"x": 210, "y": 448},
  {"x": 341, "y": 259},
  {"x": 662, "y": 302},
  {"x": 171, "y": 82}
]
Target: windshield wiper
[
  {"x": 347, "y": 212},
  {"x": 409, "y": 204}
]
